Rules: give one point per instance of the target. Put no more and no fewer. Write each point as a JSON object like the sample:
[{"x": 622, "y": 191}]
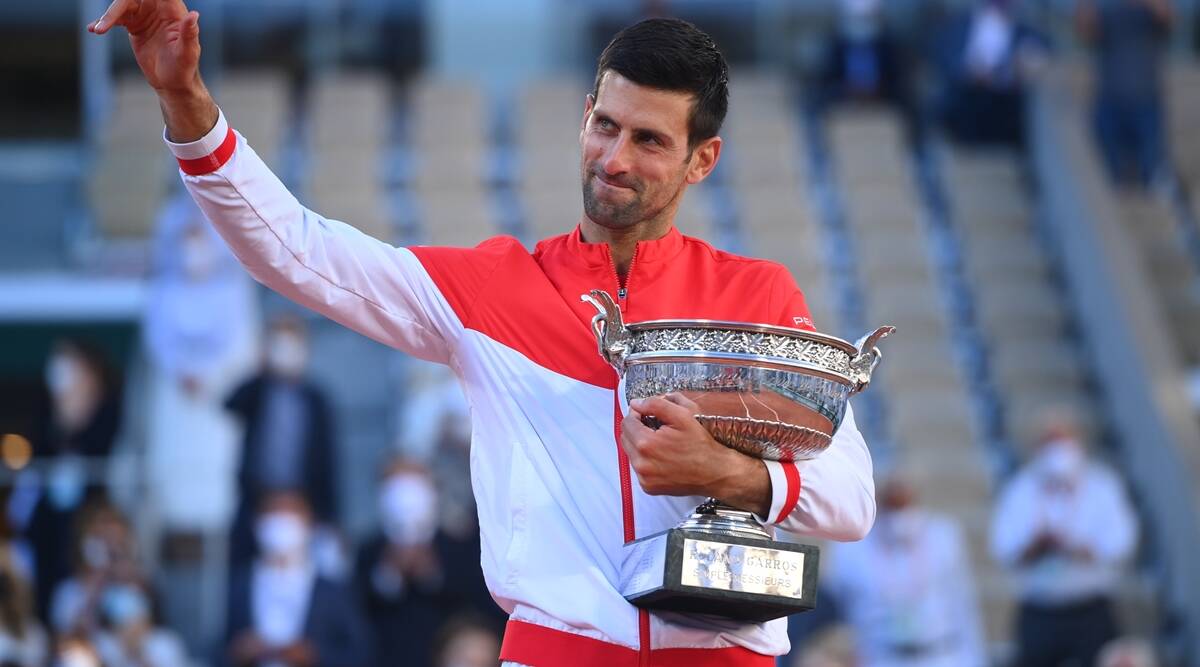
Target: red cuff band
[
  {"x": 793, "y": 490},
  {"x": 214, "y": 160}
]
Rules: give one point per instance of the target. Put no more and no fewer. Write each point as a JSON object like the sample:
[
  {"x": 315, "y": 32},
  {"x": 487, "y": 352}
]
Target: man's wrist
[
  {"x": 189, "y": 113},
  {"x": 748, "y": 484}
]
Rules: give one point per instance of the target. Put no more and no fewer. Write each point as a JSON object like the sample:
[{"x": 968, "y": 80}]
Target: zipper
[
  {"x": 630, "y": 533},
  {"x": 622, "y": 286}
]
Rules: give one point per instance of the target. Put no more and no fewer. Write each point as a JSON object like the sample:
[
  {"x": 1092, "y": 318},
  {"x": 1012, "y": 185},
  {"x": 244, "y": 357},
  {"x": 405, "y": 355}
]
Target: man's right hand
[{"x": 165, "y": 37}]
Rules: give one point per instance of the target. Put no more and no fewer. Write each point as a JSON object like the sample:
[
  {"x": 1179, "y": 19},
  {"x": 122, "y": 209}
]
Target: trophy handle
[
  {"x": 863, "y": 364},
  {"x": 612, "y": 338}
]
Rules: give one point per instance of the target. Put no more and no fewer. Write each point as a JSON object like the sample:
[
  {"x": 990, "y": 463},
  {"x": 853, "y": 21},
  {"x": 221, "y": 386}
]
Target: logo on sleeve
[{"x": 803, "y": 322}]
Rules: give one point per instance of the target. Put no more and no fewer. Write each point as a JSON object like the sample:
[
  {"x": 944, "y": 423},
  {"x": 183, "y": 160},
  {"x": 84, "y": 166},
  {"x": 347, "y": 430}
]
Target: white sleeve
[
  {"x": 831, "y": 496},
  {"x": 365, "y": 284}
]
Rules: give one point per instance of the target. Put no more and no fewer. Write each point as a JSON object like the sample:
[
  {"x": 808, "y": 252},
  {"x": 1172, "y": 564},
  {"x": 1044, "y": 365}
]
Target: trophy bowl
[
  {"x": 776, "y": 393},
  {"x": 771, "y": 392}
]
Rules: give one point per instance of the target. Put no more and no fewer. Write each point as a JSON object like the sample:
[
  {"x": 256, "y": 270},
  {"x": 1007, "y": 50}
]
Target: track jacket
[{"x": 557, "y": 498}]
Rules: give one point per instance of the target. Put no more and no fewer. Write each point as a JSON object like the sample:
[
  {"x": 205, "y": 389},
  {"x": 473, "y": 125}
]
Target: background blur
[{"x": 1007, "y": 182}]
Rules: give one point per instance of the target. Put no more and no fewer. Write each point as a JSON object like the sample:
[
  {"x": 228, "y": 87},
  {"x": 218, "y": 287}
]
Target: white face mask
[
  {"x": 408, "y": 509},
  {"x": 199, "y": 256},
  {"x": 281, "y": 534},
  {"x": 62, "y": 374},
  {"x": 124, "y": 604},
  {"x": 286, "y": 355},
  {"x": 1062, "y": 459}
]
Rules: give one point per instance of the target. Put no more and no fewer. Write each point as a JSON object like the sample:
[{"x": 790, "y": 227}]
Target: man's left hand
[{"x": 680, "y": 458}]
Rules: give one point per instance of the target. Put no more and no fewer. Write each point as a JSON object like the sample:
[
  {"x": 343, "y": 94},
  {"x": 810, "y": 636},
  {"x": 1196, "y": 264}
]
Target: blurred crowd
[
  {"x": 981, "y": 62},
  {"x": 240, "y": 456},
  {"x": 1063, "y": 527},
  {"x": 241, "y": 449}
]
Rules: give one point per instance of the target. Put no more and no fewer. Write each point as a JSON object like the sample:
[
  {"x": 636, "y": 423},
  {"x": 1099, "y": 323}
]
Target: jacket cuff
[
  {"x": 208, "y": 153},
  {"x": 785, "y": 490}
]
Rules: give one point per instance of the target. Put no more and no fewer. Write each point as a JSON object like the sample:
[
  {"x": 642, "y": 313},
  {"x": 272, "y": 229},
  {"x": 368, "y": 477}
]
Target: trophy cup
[{"x": 771, "y": 392}]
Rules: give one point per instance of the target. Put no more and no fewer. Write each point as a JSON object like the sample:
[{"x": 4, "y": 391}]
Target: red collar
[{"x": 648, "y": 252}]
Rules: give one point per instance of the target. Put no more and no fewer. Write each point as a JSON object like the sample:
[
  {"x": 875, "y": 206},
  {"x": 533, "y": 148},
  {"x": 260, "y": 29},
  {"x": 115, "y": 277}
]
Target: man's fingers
[
  {"x": 111, "y": 16},
  {"x": 667, "y": 412}
]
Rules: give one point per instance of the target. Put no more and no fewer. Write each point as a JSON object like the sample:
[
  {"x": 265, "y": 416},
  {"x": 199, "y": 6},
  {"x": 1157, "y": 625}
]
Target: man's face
[{"x": 635, "y": 152}]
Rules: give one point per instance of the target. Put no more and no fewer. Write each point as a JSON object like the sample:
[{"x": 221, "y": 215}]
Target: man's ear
[
  {"x": 704, "y": 160},
  {"x": 589, "y": 103}
]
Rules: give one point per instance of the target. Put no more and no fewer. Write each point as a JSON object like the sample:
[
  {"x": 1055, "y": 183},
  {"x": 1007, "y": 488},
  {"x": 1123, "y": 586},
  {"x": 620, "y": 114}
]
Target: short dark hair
[{"x": 672, "y": 54}]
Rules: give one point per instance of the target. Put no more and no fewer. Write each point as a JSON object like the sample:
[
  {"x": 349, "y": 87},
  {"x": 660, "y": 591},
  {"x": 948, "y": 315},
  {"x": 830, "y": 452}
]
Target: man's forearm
[{"x": 189, "y": 114}]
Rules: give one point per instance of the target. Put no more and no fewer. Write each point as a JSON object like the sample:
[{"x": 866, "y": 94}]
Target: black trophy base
[{"x": 700, "y": 572}]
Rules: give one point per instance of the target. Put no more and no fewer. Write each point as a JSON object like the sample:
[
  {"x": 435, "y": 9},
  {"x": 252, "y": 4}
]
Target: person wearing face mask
[
  {"x": 289, "y": 441},
  {"x": 282, "y": 611},
  {"x": 906, "y": 589},
  {"x": 1065, "y": 527},
  {"x": 413, "y": 576},
  {"x": 131, "y": 637},
  {"x": 74, "y": 435}
]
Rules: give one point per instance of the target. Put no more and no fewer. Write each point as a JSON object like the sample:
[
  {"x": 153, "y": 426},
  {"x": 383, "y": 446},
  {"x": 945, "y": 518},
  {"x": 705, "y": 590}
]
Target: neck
[{"x": 622, "y": 243}]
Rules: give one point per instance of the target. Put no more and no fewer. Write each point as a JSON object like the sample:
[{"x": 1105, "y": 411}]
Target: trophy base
[{"x": 726, "y": 571}]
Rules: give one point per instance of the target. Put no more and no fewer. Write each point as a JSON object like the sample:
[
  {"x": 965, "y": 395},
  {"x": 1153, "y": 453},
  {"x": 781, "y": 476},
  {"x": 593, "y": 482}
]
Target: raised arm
[{"x": 379, "y": 290}]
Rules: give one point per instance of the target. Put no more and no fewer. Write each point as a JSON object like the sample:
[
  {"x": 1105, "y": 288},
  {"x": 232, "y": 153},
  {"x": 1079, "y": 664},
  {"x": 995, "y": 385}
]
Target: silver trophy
[{"x": 771, "y": 392}]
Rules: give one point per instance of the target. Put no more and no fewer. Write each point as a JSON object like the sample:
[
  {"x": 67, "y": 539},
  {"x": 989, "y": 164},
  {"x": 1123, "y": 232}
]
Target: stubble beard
[{"x": 618, "y": 216}]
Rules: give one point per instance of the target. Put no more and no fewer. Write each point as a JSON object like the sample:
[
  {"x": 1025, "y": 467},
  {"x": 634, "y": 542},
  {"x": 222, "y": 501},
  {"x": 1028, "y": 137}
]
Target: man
[
  {"x": 1065, "y": 526},
  {"x": 553, "y": 460},
  {"x": 289, "y": 442},
  {"x": 412, "y": 576},
  {"x": 907, "y": 588},
  {"x": 282, "y": 612},
  {"x": 985, "y": 57},
  {"x": 1130, "y": 37}
]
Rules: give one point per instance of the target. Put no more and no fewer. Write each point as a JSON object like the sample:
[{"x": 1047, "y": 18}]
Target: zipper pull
[{"x": 622, "y": 293}]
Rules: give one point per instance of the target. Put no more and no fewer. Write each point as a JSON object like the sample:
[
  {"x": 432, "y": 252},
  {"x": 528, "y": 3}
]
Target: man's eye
[{"x": 604, "y": 124}]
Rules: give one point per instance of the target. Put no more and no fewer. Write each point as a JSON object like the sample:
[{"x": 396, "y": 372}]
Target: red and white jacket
[{"x": 557, "y": 498}]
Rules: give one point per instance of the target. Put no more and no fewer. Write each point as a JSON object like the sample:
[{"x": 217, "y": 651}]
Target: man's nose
[{"x": 617, "y": 159}]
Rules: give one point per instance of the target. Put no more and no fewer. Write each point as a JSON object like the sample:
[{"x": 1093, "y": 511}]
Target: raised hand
[{"x": 165, "y": 37}]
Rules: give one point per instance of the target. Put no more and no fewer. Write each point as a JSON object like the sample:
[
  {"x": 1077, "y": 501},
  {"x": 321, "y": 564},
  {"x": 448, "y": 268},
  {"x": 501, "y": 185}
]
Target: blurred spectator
[
  {"x": 105, "y": 559},
  {"x": 907, "y": 587},
  {"x": 865, "y": 61},
  {"x": 282, "y": 612},
  {"x": 466, "y": 641},
  {"x": 1129, "y": 37},
  {"x": 1065, "y": 527},
  {"x": 199, "y": 330},
  {"x": 130, "y": 637},
  {"x": 985, "y": 58},
  {"x": 73, "y": 438},
  {"x": 413, "y": 576},
  {"x": 23, "y": 641},
  {"x": 107, "y": 601},
  {"x": 436, "y": 428},
  {"x": 289, "y": 434},
  {"x": 1128, "y": 652}
]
